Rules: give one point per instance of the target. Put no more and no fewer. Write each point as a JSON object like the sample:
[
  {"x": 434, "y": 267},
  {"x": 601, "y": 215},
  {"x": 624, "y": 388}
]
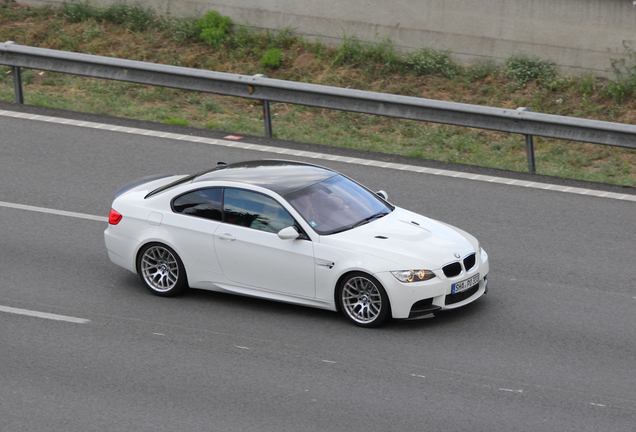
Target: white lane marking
[
  {"x": 324, "y": 156},
  {"x": 45, "y": 315},
  {"x": 241, "y": 347},
  {"x": 598, "y": 405},
  {"x": 418, "y": 376},
  {"x": 329, "y": 361},
  {"x": 53, "y": 211},
  {"x": 511, "y": 390}
]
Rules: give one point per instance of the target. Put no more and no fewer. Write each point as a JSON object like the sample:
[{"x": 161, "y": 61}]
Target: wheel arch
[
  {"x": 338, "y": 285},
  {"x": 181, "y": 282},
  {"x": 160, "y": 242},
  {"x": 156, "y": 235}
]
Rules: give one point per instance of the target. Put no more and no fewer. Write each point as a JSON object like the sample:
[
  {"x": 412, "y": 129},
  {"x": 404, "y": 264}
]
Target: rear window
[{"x": 205, "y": 203}]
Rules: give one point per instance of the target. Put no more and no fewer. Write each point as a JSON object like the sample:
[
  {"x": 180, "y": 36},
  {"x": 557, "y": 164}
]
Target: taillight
[{"x": 114, "y": 218}]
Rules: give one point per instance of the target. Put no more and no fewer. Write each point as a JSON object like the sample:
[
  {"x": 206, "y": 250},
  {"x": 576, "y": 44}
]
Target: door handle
[{"x": 227, "y": 237}]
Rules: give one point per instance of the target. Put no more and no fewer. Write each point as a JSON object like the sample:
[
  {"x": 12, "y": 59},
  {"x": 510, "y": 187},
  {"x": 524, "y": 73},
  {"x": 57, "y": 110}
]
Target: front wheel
[
  {"x": 363, "y": 300},
  {"x": 161, "y": 270}
]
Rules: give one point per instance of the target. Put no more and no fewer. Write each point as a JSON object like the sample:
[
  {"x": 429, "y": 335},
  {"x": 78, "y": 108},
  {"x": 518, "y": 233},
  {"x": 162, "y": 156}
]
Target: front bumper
[{"x": 414, "y": 300}]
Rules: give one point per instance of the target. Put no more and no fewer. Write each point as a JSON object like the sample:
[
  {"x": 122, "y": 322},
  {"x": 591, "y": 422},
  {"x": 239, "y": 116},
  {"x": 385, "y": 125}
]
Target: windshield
[{"x": 337, "y": 204}]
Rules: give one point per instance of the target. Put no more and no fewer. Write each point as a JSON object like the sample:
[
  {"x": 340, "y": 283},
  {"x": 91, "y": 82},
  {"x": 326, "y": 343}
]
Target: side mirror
[
  {"x": 288, "y": 233},
  {"x": 382, "y": 195}
]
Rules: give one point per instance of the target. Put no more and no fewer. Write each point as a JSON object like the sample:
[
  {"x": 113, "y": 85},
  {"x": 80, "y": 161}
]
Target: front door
[{"x": 251, "y": 253}]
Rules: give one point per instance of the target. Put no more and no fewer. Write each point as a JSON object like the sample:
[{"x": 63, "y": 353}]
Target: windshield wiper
[
  {"x": 357, "y": 224},
  {"x": 378, "y": 215}
]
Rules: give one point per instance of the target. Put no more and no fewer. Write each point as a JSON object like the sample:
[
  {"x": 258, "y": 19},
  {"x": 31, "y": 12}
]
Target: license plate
[{"x": 465, "y": 284}]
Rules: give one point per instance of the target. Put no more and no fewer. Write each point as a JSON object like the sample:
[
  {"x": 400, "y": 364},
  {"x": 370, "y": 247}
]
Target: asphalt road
[{"x": 552, "y": 347}]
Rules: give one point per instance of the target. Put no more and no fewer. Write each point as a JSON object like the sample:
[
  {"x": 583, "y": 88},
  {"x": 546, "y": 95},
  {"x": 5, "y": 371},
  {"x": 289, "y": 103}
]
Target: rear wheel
[
  {"x": 363, "y": 300},
  {"x": 161, "y": 270}
]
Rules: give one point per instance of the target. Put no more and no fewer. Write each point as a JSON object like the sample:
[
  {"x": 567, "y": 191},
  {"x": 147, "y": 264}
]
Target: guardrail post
[
  {"x": 17, "y": 85},
  {"x": 267, "y": 119},
  {"x": 17, "y": 80},
  {"x": 267, "y": 113},
  {"x": 530, "y": 154},
  {"x": 529, "y": 147}
]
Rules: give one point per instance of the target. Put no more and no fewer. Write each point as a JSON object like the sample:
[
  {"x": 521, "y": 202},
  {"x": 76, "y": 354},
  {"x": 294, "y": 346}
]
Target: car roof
[{"x": 280, "y": 176}]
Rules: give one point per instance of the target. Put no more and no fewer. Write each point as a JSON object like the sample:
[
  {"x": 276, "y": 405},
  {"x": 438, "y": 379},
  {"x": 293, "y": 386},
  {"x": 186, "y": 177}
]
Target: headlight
[{"x": 413, "y": 275}]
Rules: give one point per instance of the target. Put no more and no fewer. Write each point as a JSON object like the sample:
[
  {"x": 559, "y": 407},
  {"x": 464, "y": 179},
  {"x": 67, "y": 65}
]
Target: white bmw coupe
[{"x": 296, "y": 233}]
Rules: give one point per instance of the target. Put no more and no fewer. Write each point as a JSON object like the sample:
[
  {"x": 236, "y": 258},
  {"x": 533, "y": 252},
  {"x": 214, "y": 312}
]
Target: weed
[
  {"x": 351, "y": 51},
  {"x": 183, "y": 30},
  {"x": 92, "y": 31},
  {"x": 586, "y": 84},
  {"x": 78, "y": 11},
  {"x": 272, "y": 58},
  {"x": 625, "y": 71},
  {"x": 481, "y": 70},
  {"x": 277, "y": 38},
  {"x": 557, "y": 82},
  {"x": 11, "y": 10},
  {"x": 523, "y": 70},
  {"x": 6, "y": 74},
  {"x": 372, "y": 57},
  {"x": 620, "y": 90},
  {"x": 133, "y": 17},
  {"x": 428, "y": 61}
]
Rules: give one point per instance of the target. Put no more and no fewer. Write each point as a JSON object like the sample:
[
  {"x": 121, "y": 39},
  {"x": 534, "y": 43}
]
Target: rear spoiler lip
[{"x": 135, "y": 183}]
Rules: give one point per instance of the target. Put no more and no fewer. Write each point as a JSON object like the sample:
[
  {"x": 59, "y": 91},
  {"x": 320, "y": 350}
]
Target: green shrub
[
  {"x": 523, "y": 70},
  {"x": 213, "y": 28},
  {"x": 272, "y": 58}
]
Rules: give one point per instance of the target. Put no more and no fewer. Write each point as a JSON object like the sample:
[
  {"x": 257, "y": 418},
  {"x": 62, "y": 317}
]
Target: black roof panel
[{"x": 282, "y": 177}]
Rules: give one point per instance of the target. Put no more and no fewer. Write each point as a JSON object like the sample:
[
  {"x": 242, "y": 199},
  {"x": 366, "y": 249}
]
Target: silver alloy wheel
[
  {"x": 361, "y": 300},
  {"x": 159, "y": 269}
]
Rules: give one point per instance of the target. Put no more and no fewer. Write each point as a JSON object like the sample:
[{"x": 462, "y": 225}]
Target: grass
[{"x": 135, "y": 33}]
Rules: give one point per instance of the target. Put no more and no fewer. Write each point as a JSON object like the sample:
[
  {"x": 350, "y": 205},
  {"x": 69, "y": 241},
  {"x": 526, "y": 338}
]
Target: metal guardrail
[{"x": 520, "y": 121}]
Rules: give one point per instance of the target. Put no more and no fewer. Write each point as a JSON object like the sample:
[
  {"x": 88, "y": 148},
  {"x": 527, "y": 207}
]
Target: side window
[
  {"x": 254, "y": 210},
  {"x": 205, "y": 203}
]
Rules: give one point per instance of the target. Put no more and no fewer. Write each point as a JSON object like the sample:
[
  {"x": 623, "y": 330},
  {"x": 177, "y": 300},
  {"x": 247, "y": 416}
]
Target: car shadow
[{"x": 234, "y": 304}]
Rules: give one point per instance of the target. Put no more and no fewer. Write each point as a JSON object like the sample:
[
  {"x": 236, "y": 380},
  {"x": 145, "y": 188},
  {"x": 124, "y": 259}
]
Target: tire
[
  {"x": 363, "y": 301},
  {"x": 161, "y": 270}
]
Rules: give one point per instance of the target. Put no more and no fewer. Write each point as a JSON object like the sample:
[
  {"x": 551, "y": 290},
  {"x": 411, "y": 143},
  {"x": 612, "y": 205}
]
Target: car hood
[{"x": 408, "y": 239}]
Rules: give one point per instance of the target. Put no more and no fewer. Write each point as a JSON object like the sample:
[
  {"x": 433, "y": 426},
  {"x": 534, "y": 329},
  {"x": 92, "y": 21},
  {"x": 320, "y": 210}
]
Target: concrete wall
[{"x": 578, "y": 35}]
